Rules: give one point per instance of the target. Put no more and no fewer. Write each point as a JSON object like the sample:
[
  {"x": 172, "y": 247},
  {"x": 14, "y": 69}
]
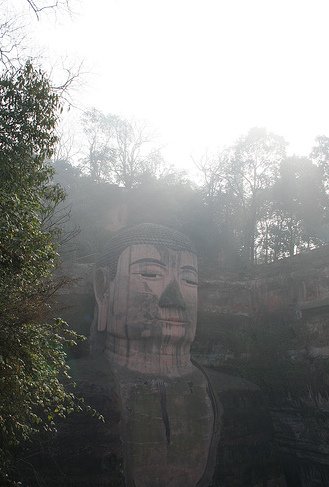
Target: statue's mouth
[{"x": 174, "y": 321}]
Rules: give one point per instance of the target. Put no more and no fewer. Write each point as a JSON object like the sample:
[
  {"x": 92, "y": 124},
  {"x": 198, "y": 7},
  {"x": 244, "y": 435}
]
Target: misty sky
[{"x": 202, "y": 72}]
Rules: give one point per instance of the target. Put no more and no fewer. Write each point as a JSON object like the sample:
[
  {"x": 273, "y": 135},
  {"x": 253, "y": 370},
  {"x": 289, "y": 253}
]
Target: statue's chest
[{"x": 167, "y": 430}]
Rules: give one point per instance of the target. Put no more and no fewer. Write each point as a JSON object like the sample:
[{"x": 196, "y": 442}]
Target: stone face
[{"x": 149, "y": 309}]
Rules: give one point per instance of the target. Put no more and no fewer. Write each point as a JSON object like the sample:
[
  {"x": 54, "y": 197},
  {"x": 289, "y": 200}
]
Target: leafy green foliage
[{"x": 33, "y": 372}]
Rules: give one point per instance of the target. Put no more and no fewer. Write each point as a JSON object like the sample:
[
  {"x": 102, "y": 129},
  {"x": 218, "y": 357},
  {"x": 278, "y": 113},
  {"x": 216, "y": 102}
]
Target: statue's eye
[
  {"x": 151, "y": 272},
  {"x": 189, "y": 277},
  {"x": 149, "y": 275},
  {"x": 192, "y": 282},
  {"x": 148, "y": 271}
]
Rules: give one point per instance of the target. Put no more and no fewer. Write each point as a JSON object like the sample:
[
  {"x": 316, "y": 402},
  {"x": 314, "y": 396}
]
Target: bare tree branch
[
  {"x": 118, "y": 150},
  {"x": 41, "y": 5}
]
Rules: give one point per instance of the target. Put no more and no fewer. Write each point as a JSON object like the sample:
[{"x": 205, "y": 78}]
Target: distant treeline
[{"x": 253, "y": 205}]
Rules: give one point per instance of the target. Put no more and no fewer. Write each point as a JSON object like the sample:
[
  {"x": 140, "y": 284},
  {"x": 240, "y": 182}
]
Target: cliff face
[
  {"x": 86, "y": 452},
  {"x": 273, "y": 328}
]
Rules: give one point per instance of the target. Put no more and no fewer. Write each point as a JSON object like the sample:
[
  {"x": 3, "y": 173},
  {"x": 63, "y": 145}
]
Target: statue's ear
[{"x": 102, "y": 294}]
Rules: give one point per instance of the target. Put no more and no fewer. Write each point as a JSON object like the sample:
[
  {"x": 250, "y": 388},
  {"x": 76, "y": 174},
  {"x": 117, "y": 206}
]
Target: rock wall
[
  {"x": 86, "y": 452},
  {"x": 289, "y": 297},
  {"x": 289, "y": 303}
]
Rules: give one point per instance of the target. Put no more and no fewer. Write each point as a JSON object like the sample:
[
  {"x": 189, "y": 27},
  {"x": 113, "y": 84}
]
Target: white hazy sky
[{"x": 202, "y": 72}]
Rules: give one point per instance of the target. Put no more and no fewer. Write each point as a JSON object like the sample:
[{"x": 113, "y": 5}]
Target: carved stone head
[{"x": 146, "y": 292}]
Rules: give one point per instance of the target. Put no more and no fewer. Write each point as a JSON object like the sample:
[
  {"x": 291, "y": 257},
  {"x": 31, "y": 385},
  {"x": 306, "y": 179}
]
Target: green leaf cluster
[{"x": 33, "y": 375}]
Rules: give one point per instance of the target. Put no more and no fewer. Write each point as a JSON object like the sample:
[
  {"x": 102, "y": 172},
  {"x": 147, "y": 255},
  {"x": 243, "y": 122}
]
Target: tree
[
  {"x": 39, "y": 6},
  {"x": 222, "y": 208},
  {"x": 13, "y": 38},
  {"x": 298, "y": 207},
  {"x": 32, "y": 351},
  {"x": 15, "y": 49},
  {"x": 234, "y": 185},
  {"x": 254, "y": 168},
  {"x": 320, "y": 156},
  {"x": 118, "y": 150}
]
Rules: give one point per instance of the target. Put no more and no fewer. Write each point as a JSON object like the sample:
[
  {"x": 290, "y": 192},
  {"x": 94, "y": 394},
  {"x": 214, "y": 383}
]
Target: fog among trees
[{"x": 255, "y": 204}]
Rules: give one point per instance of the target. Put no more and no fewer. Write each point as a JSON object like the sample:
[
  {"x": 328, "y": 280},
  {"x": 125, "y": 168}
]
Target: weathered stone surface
[
  {"x": 246, "y": 454},
  {"x": 293, "y": 292},
  {"x": 167, "y": 428},
  {"x": 294, "y": 289}
]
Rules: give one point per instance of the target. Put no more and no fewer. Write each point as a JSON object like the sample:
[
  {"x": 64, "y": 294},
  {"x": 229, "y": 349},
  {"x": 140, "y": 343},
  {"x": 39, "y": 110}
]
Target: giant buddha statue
[
  {"x": 172, "y": 415},
  {"x": 146, "y": 291}
]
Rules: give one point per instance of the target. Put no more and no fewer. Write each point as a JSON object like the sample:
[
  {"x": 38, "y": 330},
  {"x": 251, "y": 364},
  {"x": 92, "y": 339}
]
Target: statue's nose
[{"x": 172, "y": 297}]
